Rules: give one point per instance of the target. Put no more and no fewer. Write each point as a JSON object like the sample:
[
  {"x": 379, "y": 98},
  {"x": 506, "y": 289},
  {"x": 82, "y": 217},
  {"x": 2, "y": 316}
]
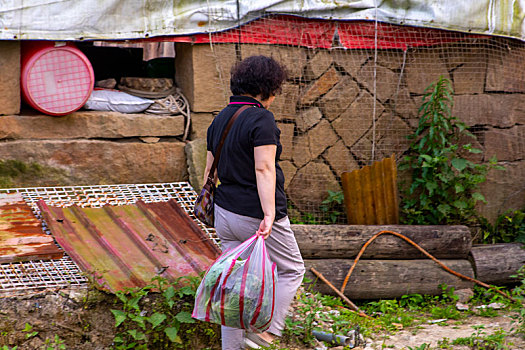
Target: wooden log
[
  {"x": 345, "y": 241},
  {"x": 495, "y": 263},
  {"x": 375, "y": 279}
]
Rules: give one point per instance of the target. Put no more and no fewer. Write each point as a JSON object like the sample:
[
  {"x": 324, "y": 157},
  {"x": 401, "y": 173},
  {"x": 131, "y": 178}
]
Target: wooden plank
[
  {"x": 374, "y": 279},
  {"x": 21, "y": 234},
  {"x": 345, "y": 241}
]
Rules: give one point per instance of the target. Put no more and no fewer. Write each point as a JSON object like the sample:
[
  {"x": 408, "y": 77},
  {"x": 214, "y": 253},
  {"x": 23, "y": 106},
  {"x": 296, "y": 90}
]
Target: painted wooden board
[{"x": 21, "y": 234}]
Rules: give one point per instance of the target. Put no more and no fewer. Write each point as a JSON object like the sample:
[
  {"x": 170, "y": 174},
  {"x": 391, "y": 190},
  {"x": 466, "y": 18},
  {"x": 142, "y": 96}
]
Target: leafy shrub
[
  {"x": 444, "y": 185},
  {"x": 161, "y": 320},
  {"x": 508, "y": 227}
]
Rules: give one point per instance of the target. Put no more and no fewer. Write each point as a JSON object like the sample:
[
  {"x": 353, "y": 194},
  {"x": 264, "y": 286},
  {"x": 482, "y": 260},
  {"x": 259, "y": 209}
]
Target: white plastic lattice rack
[{"x": 35, "y": 276}]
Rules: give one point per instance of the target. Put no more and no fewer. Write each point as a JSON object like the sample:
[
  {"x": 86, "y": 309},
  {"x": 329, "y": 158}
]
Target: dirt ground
[
  {"x": 83, "y": 321},
  {"x": 451, "y": 329}
]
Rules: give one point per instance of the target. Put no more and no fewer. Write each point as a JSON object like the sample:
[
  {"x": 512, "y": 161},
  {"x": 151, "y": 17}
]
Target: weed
[
  {"x": 384, "y": 306},
  {"x": 331, "y": 212},
  {"x": 508, "y": 227},
  {"x": 447, "y": 311},
  {"x": 28, "y": 329},
  {"x": 488, "y": 312},
  {"x": 166, "y": 324},
  {"x": 54, "y": 344},
  {"x": 480, "y": 340},
  {"x": 412, "y": 301},
  {"x": 444, "y": 185},
  {"x": 444, "y": 343},
  {"x": 332, "y": 206},
  {"x": 423, "y": 346}
]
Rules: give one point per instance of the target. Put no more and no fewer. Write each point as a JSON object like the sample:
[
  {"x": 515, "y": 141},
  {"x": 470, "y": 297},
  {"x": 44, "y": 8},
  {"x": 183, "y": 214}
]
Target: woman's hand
[{"x": 265, "y": 228}]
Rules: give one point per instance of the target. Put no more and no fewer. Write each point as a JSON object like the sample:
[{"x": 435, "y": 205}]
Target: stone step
[
  {"x": 103, "y": 162},
  {"x": 88, "y": 125}
]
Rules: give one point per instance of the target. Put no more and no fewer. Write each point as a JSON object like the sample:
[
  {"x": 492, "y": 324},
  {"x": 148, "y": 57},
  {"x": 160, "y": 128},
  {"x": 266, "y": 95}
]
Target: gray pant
[{"x": 233, "y": 229}]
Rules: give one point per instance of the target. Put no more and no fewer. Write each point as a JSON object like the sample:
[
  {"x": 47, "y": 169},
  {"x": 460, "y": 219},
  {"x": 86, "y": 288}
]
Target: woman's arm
[
  {"x": 265, "y": 175},
  {"x": 209, "y": 162}
]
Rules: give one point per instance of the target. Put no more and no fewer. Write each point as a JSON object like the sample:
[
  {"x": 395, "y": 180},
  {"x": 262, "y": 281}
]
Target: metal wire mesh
[
  {"x": 353, "y": 95},
  {"x": 33, "y": 276}
]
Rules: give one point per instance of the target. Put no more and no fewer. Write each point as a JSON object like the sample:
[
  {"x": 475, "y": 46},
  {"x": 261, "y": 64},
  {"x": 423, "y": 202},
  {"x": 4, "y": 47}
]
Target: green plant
[
  {"x": 28, "y": 329},
  {"x": 488, "y": 312},
  {"x": 508, "y": 227},
  {"x": 480, "y": 340},
  {"x": 447, "y": 293},
  {"x": 423, "y": 346},
  {"x": 444, "y": 184},
  {"x": 332, "y": 206},
  {"x": 519, "y": 293},
  {"x": 5, "y": 347},
  {"x": 298, "y": 218},
  {"x": 444, "y": 343},
  {"x": 303, "y": 327},
  {"x": 384, "y": 306},
  {"x": 448, "y": 312},
  {"x": 55, "y": 344},
  {"x": 412, "y": 301},
  {"x": 165, "y": 322}
]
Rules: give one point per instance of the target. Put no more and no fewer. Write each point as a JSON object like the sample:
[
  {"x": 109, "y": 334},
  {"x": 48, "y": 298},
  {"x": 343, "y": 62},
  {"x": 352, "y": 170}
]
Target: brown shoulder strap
[{"x": 223, "y": 137}]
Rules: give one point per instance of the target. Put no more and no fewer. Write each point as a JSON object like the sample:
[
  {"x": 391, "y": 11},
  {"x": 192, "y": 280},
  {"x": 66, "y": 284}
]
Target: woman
[{"x": 250, "y": 197}]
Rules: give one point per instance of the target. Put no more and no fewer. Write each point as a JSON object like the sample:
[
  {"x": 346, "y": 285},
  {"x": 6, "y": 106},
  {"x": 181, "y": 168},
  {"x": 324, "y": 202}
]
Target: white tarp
[{"x": 135, "y": 19}]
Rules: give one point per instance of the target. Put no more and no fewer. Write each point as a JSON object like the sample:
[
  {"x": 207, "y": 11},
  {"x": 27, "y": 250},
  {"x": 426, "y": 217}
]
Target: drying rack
[{"x": 37, "y": 276}]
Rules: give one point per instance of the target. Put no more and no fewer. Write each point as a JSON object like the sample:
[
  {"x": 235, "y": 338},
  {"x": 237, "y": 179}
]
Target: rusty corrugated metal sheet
[
  {"x": 21, "y": 234},
  {"x": 128, "y": 245},
  {"x": 370, "y": 194}
]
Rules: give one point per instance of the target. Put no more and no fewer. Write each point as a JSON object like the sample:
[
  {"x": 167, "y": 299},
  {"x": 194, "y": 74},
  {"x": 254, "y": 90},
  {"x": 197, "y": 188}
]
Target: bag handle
[{"x": 211, "y": 174}]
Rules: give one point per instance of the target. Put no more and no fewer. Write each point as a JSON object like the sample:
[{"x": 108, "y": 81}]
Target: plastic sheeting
[
  {"x": 138, "y": 19},
  {"x": 315, "y": 33}
]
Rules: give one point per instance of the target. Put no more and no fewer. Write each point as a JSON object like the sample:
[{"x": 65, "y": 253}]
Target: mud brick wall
[{"x": 330, "y": 121}]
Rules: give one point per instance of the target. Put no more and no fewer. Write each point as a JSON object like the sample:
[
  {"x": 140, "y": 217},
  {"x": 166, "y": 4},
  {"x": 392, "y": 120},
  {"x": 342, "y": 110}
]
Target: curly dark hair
[{"x": 257, "y": 75}]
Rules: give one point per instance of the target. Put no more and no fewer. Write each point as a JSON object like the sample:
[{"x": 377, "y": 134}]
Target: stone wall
[
  {"x": 87, "y": 147},
  {"x": 331, "y": 122},
  {"x": 97, "y": 147},
  {"x": 338, "y": 111}
]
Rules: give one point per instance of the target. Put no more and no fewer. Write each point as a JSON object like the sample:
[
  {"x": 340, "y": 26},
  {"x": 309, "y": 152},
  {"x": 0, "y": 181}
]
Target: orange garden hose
[
  {"x": 340, "y": 292},
  {"x": 408, "y": 240}
]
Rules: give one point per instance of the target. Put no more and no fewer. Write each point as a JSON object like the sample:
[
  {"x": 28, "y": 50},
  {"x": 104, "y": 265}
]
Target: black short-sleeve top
[{"x": 254, "y": 127}]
